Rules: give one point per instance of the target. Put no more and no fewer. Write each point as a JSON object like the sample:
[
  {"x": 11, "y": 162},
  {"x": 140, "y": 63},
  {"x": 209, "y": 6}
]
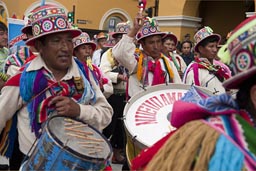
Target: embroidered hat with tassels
[
  {"x": 121, "y": 28},
  {"x": 172, "y": 36},
  {"x": 242, "y": 49},
  {"x": 49, "y": 19},
  {"x": 149, "y": 28},
  {"x": 83, "y": 39},
  {"x": 204, "y": 33}
]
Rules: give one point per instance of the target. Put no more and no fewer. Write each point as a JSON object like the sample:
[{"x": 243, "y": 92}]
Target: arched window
[{"x": 112, "y": 17}]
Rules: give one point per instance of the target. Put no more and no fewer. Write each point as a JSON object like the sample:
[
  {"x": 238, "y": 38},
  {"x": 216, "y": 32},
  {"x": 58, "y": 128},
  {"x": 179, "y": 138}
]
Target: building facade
[{"x": 177, "y": 16}]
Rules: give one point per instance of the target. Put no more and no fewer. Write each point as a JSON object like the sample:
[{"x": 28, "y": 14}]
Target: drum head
[
  {"x": 147, "y": 113},
  {"x": 79, "y": 138}
]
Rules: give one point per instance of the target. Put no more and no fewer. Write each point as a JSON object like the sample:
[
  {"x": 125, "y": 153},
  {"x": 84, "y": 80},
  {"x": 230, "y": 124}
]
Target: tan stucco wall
[{"x": 92, "y": 10}]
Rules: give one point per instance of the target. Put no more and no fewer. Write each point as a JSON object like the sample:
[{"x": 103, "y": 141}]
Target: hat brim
[
  {"x": 88, "y": 43},
  {"x": 114, "y": 35},
  {"x": 26, "y": 29},
  {"x": 153, "y": 34},
  {"x": 213, "y": 35},
  {"x": 74, "y": 33},
  {"x": 236, "y": 81},
  {"x": 172, "y": 36}
]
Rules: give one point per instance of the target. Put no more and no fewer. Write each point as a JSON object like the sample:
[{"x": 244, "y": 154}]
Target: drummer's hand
[
  {"x": 65, "y": 106},
  {"x": 137, "y": 24}
]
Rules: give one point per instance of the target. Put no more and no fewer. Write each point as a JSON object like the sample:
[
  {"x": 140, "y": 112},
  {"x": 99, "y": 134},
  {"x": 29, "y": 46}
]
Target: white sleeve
[{"x": 123, "y": 52}]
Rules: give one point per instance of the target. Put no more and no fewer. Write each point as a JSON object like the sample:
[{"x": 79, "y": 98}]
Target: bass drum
[{"x": 146, "y": 115}]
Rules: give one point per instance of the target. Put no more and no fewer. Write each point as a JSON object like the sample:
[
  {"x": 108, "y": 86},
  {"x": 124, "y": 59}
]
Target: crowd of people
[{"x": 62, "y": 71}]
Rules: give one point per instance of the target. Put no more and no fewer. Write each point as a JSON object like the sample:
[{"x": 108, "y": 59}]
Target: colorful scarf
[
  {"x": 217, "y": 70},
  {"x": 161, "y": 69},
  {"x": 35, "y": 84}
]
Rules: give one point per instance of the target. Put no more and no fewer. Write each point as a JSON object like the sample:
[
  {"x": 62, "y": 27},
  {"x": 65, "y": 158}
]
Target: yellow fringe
[
  {"x": 111, "y": 58},
  {"x": 168, "y": 66},
  {"x": 140, "y": 65},
  {"x": 190, "y": 148}
]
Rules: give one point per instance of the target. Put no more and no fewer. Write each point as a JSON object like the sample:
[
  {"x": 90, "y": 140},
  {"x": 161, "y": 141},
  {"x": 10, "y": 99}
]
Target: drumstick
[
  {"x": 79, "y": 131},
  {"x": 93, "y": 152},
  {"x": 86, "y": 142},
  {"x": 84, "y": 137},
  {"x": 95, "y": 147},
  {"x": 77, "y": 126}
]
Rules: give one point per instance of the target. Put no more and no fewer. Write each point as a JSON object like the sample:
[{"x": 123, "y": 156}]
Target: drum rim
[
  {"x": 150, "y": 89},
  {"x": 82, "y": 156}
]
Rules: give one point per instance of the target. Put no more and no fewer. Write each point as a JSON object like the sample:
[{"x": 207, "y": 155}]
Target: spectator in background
[
  {"x": 186, "y": 52},
  {"x": 101, "y": 40}
]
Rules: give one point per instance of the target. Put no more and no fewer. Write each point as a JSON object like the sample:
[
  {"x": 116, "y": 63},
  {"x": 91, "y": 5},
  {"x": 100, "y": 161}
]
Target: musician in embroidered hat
[
  {"x": 149, "y": 66},
  {"x": 83, "y": 50},
  {"x": 170, "y": 42},
  {"x": 214, "y": 132},
  {"x": 53, "y": 83},
  {"x": 203, "y": 71}
]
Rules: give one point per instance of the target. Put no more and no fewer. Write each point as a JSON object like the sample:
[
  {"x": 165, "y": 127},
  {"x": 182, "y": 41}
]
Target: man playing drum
[
  {"x": 216, "y": 132},
  {"x": 149, "y": 66},
  {"x": 54, "y": 82}
]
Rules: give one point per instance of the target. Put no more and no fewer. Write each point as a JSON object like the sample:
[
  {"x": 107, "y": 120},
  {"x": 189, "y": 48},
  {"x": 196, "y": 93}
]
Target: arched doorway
[
  {"x": 224, "y": 16},
  {"x": 221, "y": 16}
]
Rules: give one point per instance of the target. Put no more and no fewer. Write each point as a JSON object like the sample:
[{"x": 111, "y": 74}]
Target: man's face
[
  {"x": 3, "y": 38},
  {"x": 152, "y": 45},
  {"x": 209, "y": 51},
  {"x": 102, "y": 42},
  {"x": 169, "y": 46},
  {"x": 83, "y": 51},
  {"x": 186, "y": 48},
  {"x": 56, "y": 50}
]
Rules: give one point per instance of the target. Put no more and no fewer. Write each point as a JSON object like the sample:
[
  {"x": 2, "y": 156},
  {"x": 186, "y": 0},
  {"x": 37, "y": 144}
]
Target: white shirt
[{"x": 98, "y": 115}]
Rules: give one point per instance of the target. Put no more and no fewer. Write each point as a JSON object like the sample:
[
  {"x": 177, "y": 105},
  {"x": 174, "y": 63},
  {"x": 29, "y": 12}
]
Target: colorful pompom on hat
[
  {"x": 242, "y": 50},
  {"x": 121, "y": 28},
  {"x": 49, "y": 19},
  {"x": 82, "y": 39},
  {"x": 203, "y": 34},
  {"x": 149, "y": 28},
  {"x": 172, "y": 36}
]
